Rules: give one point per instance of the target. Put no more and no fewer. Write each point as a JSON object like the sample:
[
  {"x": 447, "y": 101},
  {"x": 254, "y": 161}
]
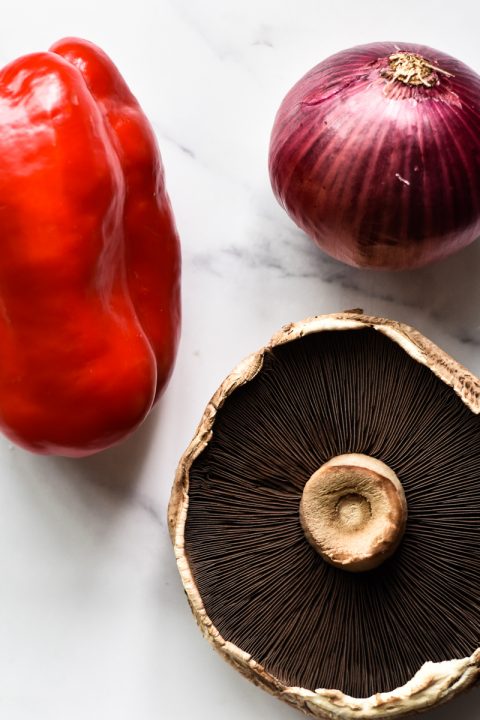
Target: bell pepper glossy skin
[{"x": 90, "y": 257}]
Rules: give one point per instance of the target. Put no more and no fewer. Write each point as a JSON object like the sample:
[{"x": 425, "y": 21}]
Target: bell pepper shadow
[{"x": 114, "y": 472}]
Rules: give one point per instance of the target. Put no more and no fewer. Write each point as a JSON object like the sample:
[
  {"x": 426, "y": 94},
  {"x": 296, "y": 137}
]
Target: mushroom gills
[{"x": 264, "y": 586}]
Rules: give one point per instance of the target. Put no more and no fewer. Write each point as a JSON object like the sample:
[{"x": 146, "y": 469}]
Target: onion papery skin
[{"x": 381, "y": 174}]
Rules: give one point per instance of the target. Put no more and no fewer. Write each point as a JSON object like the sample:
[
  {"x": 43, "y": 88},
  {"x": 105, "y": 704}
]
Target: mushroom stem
[{"x": 354, "y": 512}]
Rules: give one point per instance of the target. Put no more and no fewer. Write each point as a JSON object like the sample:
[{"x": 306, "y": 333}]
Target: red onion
[{"x": 375, "y": 153}]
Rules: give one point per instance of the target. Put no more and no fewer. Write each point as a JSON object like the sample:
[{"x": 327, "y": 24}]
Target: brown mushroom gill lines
[
  {"x": 263, "y": 585},
  {"x": 444, "y": 638}
]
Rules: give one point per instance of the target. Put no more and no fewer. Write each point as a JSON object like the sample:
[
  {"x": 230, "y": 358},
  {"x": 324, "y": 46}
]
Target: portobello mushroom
[{"x": 326, "y": 519}]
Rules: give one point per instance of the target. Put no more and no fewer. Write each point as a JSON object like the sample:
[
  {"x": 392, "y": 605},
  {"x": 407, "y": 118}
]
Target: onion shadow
[
  {"x": 447, "y": 292},
  {"x": 442, "y": 298}
]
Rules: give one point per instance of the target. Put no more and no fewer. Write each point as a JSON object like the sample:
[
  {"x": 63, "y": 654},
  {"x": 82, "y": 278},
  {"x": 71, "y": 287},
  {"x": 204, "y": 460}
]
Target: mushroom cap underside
[{"x": 229, "y": 506}]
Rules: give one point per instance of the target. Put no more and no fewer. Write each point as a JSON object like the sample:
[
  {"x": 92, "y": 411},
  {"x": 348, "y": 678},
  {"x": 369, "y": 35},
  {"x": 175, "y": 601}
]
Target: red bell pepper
[{"x": 90, "y": 257}]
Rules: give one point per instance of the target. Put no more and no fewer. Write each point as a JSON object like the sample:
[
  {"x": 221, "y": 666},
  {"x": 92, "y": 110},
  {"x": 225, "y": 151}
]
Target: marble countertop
[{"x": 93, "y": 620}]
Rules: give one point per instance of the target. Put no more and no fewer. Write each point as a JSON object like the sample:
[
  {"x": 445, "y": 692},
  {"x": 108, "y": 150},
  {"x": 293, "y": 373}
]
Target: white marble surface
[{"x": 93, "y": 621}]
